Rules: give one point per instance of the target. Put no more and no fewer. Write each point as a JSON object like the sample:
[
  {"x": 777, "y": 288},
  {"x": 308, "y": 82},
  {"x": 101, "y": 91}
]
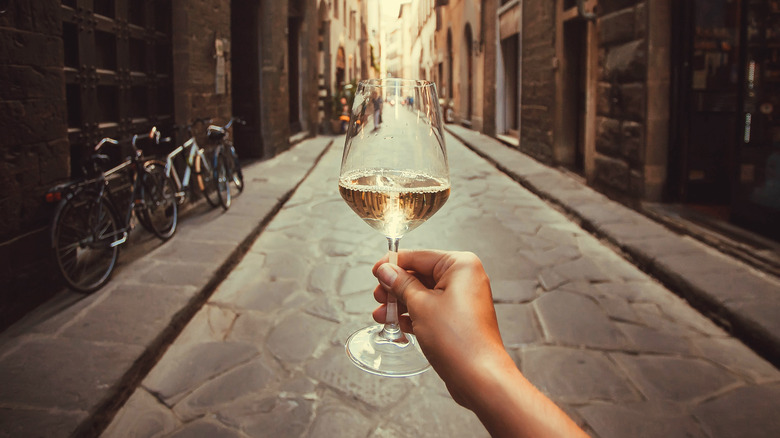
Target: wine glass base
[{"x": 372, "y": 354}]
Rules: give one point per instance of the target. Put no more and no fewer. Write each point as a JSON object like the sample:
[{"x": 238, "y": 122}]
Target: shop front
[{"x": 725, "y": 151}]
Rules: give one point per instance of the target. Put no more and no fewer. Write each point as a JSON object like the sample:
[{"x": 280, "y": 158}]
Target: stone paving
[
  {"x": 621, "y": 354},
  {"x": 75, "y": 357},
  {"x": 745, "y": 299}
]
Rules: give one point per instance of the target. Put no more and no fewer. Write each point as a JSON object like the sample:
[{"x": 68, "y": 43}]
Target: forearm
[{"x": 508, "y": 405}]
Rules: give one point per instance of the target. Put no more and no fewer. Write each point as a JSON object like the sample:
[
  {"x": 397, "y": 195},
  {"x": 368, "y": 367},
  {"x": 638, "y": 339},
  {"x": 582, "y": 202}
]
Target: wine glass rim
[{"x": 395, "y": 82}]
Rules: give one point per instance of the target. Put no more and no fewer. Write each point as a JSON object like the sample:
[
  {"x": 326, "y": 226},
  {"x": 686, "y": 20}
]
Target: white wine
[{"x": 393, "y": 202}]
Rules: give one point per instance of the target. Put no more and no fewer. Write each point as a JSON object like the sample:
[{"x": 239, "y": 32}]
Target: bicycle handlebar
[{"x": 104, "y": 141}]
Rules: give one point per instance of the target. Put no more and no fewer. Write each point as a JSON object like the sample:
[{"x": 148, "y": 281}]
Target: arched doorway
[{"x": 341, "y": 66}]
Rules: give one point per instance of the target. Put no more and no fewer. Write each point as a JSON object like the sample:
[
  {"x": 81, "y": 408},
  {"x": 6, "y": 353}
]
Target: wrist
[
  {"x": 508, "y": 405},
  {"x": 487, "y": 379}
]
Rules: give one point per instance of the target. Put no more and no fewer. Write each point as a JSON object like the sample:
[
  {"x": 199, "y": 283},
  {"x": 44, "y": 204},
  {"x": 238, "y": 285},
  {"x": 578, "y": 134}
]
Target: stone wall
[
  {"x": 274, "y": 86},
  {"x": 538, "y": 79},
  {"x": 621, "y": 109},
  {"x": 196, "y": 26},
  {"x": 34, "y": 150}
]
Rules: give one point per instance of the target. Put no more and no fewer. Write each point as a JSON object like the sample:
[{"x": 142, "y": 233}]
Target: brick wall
[
  {"x": 621, "y": 109},
  {"x": 196, "y": 25},
  {"x": 538, "y": 80},
  {"x": 34, "y": 151}
]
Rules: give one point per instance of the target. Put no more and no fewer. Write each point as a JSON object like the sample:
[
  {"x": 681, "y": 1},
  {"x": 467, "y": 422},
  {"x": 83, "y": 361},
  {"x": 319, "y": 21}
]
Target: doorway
[
  {"x": 245, "y": 19},
  {"x": 709, "y": 91},
  {"x": 509, "y": 101},
  {"x": 725, "y": 154},
  {"x": 571, "y": 153},
  {"x": 293, "y": 73},
  {"x": 469, "y": 41}
]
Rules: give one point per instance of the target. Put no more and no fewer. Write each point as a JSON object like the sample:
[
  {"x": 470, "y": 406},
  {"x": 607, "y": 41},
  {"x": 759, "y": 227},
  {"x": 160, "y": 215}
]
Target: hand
[
  {"x": 450, "y": 310},
  {"x": 444, "y": 298}
]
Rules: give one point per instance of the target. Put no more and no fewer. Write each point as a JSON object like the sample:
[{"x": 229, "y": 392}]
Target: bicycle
[
  {"x": 87, "y": 229},
  {"x": 195, "y": 163},
  {"x": 225, "y": 156}
]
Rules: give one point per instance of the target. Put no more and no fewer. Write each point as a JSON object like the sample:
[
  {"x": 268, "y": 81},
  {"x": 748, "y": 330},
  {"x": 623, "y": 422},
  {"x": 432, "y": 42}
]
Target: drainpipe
[{"x": 585, "y": 15}]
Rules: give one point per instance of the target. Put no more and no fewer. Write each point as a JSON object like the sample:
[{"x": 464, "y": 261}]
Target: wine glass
[{"x": 394, "y": 175}]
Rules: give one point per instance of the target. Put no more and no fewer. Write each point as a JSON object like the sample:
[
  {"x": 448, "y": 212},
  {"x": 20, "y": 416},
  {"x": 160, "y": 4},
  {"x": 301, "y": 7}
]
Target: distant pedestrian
[{"x": 445, "y": 300}]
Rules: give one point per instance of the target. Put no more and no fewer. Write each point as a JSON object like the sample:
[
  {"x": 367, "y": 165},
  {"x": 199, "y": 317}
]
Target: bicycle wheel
[
  {"x": 222, "y": 177},
  {"x": 160, "y": 209},
  {"x": 85, "y": 241},
  {"x": 235, "y": 167},
  {"x": 206, "y": 181}
]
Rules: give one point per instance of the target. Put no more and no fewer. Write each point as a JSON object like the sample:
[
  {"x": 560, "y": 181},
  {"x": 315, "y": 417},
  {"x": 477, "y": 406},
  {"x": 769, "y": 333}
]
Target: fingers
[
  {"x": 380, "y": 295},
  {"x": 404, "y": 321},
  {"x": 403, "y": 285},
  {"x": 422, "y": 262}
]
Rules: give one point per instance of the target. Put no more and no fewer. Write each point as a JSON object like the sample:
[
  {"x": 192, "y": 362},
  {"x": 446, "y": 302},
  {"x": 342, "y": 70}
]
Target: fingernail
[{"x": 386, "y": 275}]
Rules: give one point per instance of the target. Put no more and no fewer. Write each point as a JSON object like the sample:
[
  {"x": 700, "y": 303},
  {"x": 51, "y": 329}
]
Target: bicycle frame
[{"x": 182, "y": 184}]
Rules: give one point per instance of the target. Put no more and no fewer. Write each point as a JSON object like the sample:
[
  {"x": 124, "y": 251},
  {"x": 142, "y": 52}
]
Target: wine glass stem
[{"x": 392, "y": 330}]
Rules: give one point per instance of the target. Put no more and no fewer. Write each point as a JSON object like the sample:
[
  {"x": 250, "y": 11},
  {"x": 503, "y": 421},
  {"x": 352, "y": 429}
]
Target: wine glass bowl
[{"x": 394, "y": 175}]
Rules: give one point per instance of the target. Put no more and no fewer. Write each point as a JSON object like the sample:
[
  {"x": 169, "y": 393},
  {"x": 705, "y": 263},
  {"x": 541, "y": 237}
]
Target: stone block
[
  {"x": 142, "y": 415},
  {"x": 514, "y": 291},
  {"x": 626, "y": 62},
  {"x": 272, "y": 416},
  {"x": 432, "y": 413},
  {"x": 646, "y": 340},
  {"x": 336, "y": 371},
  {"x": 640, "y": 420},
  {"x": 576, "y": 320},
  {"x": 612, "y": 172},
  {"x": 205, "y": 428},
  {"x": 247, "y": 379},
  {"x": 333, "y": 418},
  {"x": 297, "y": 337},
  {"x": 40, "y": 373},
  {"x": 572, "y": 375},
  {"x": 20, "y": 422},
  {"x": 747, "y": 411},
  {"x": 605, "y": 99},
  {"x": 202, "y": 362},
  {"x": 618, "y": 27},
  {"x": 41, "y": 17},
  {"x": 28, "y": 48},
  {"x": 678, "y": 379},
  {"x": 632, "y": 142},
  {"x": 633, "y": 104},
  {"x": 517, "y": 323},
  {"x": 608, "y": 136},
  {"x": 24, "y": 82},
  {"x": 610, "y": 6},
  {"x": 735, "y": 356},
  {"x": 139, "y": 314}
]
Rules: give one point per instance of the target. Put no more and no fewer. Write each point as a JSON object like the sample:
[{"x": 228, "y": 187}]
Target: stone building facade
[
  {"x": 74, "y": 71},
  {"x": 649, "y": 101}
]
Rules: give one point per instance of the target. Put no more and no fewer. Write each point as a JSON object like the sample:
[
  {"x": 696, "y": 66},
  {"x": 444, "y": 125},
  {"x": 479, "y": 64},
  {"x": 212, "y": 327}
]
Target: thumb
[{"x": 399, "y": 282}]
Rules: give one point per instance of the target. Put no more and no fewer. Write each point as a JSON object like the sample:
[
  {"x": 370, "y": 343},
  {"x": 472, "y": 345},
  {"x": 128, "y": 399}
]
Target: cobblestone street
[{"x": 621, "y": 354}]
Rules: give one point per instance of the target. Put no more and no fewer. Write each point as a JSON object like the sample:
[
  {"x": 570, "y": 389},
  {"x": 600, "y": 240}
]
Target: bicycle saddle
[{"x": 216, "y": 133}]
